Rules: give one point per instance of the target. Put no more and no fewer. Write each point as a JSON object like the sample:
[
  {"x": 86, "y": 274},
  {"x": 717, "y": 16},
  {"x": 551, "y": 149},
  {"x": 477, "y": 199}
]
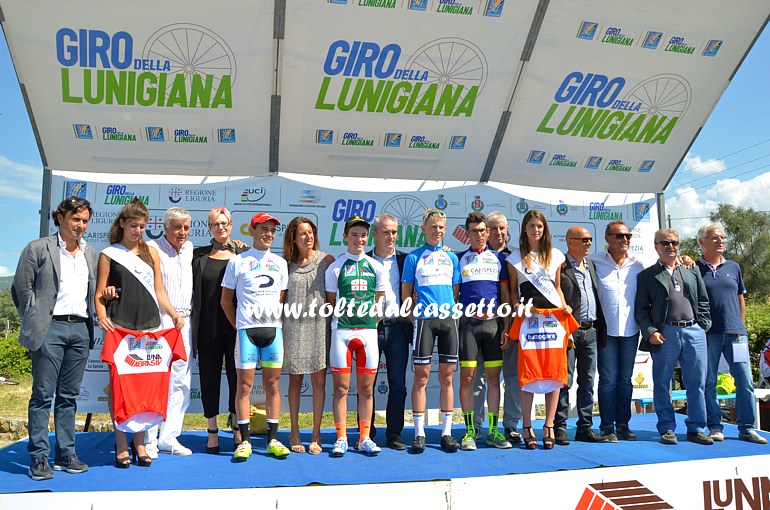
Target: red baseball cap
[{"x": 262, "y": 218}]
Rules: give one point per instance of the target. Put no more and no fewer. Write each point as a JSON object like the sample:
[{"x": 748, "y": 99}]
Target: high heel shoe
[
  {"x": 548, "y": 438},
  {"x": 530, "y": 439},
  {"x": 213, "y": 450},
  {"x": 141, "y": 460},
  {"x": 121, "y": 462}
]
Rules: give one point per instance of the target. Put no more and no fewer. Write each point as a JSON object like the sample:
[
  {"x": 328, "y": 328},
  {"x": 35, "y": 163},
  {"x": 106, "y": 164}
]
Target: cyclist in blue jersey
[
  {"x": 432, "y": 271},
  {"x": 483, "y": 288}
]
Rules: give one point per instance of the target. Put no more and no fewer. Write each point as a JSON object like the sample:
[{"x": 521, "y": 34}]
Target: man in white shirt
[
  {"x": 175, "y": 253},
  {"x": 617, "y": 270},
  {"x": 53, "y": 291}
]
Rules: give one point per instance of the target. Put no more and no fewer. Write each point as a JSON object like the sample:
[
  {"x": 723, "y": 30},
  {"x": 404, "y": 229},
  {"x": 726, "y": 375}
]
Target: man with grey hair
[
  {"x": 394, "y": 333},
  {"x": 727, "y": 336},
  {"x": 672, "y": 310},
  {"x": 498, "y": 241},
  {"x": 175, "y": 253}
]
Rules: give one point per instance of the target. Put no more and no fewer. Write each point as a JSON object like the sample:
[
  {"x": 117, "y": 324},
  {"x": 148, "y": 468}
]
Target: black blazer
[
  {"x": 571, "y": 290},
  {"x": 200, "y": 258},
  {"x": 651, "y": 305}
]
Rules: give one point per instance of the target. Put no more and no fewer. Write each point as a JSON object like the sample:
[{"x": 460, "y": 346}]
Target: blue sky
[{"x": 721, "y": 167}]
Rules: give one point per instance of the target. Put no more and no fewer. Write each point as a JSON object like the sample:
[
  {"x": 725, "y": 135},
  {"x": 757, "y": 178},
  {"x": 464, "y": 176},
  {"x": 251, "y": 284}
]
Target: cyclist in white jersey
[{"x": 258, "y": 278}]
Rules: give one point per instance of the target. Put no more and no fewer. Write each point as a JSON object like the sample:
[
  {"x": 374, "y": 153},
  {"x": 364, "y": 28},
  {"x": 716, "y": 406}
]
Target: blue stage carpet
[{"x": 201, "y": 471}]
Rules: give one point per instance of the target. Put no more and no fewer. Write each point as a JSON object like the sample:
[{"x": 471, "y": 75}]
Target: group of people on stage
[{"x": 526, "y": 312}]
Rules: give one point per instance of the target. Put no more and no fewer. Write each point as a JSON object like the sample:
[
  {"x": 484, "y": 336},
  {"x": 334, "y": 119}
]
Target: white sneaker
[
  {"x": 152, "y": 450},
  {"x": 369, "y": 447},
  {"x": 174, "y": 448},
  {"x": 340, "y": 447}
]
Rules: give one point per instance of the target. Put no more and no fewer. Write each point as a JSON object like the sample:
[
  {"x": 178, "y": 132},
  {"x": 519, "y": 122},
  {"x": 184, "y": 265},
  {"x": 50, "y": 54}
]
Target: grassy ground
[{"x": 15, "y": 399}]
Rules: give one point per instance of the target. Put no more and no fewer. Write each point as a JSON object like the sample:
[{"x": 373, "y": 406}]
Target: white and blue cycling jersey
[{"x": 432, "y": 271}]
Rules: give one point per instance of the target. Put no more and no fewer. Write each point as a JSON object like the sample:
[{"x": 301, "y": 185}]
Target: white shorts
[{"x": 362, "y": 342}]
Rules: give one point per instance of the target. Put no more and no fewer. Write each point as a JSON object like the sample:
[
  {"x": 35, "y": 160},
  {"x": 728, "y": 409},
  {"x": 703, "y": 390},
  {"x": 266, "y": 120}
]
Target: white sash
[
  {"x": 138, "y": 267},
  {"x": 537, "y": 276}
]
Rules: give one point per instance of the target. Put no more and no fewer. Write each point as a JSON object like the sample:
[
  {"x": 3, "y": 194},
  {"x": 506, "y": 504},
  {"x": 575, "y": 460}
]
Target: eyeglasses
[
  {"x": 219, "y": 224},
  {"x": 584, "y": 240},
  {"x": 623, "y": 235},
  {"x": 668, "y": 243},
  {"x": 478, "y": 231}
]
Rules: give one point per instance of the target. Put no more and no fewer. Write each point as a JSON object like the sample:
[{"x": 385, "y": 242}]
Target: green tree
[
  {"x": 748, "y": 244},
  {"x": 8, "y": 312}
]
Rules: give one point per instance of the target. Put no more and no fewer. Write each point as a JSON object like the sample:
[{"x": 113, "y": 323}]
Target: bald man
[{"x": 580, "y": 287}]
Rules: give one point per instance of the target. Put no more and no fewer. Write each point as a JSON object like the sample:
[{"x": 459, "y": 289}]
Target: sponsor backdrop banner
[
  {"x": 329, "y": 208},
  {"x": 609, "y": 98},
  {"x": 615, "y": 93},
  {"x": 407, "y": 88},
  {"x": 147, "y": 88}
]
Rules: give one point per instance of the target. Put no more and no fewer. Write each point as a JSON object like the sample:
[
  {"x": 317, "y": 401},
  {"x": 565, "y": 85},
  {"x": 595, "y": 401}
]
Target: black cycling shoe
[
  {"x": 449, "y": 444},
  {"x": 418, "y": 445}
]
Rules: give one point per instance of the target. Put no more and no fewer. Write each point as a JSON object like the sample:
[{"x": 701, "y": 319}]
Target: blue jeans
[
  {"x": 394, "y": 340},
  {"x": 744, "y": 385},
  {"x": 688, "y": 347},
  {"x": 616, "y": 367},
  {"x": 57, "y": 371},
  {"x": 584, "y": 355}
]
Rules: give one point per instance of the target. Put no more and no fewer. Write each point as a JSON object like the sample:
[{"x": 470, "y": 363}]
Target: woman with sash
[
  {"x": 213, "y": 338},
  {"x": 534, "y": 278},
  {"x": 129, "y": 290}
]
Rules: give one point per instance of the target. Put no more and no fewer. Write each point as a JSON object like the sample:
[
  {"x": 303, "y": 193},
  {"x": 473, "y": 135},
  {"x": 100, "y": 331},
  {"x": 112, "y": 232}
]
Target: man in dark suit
[
  {"x": 394, "y": 332},
  {"x": 672, "y": 310},
  {"x": 580, "y": 287},
  {"x": 53, "y": 290}
]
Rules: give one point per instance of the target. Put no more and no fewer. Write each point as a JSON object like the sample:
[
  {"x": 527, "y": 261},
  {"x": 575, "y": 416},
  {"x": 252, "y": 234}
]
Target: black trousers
[{"x": 210, "y": 356}]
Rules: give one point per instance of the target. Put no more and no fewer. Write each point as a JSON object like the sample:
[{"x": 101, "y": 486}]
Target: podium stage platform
[{"x": 400, "y": 470}]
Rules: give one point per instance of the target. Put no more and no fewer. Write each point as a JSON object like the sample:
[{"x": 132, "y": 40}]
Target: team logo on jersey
[
  {"x": 533, "y": 322},
  {"x": 350, "y": 270},
  {"x": 358, "y": 287},
  {"x": 272, "y": 266},
  {"x": 254, "y": 265},
  {"x": 366, "y": 271},
  {"x": 134, "y": 343},
  {"x": 269, "y": 280},
  {"x": 152, "y": 345}
]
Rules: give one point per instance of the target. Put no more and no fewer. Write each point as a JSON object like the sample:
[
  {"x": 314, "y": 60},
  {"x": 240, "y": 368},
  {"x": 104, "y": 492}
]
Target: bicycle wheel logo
[
  {"x": 191, "y": 50},
  {"x": 451, "y": 61},
  {"x": 406, "y": 209},
  {"x": 662, "y": 94}
]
